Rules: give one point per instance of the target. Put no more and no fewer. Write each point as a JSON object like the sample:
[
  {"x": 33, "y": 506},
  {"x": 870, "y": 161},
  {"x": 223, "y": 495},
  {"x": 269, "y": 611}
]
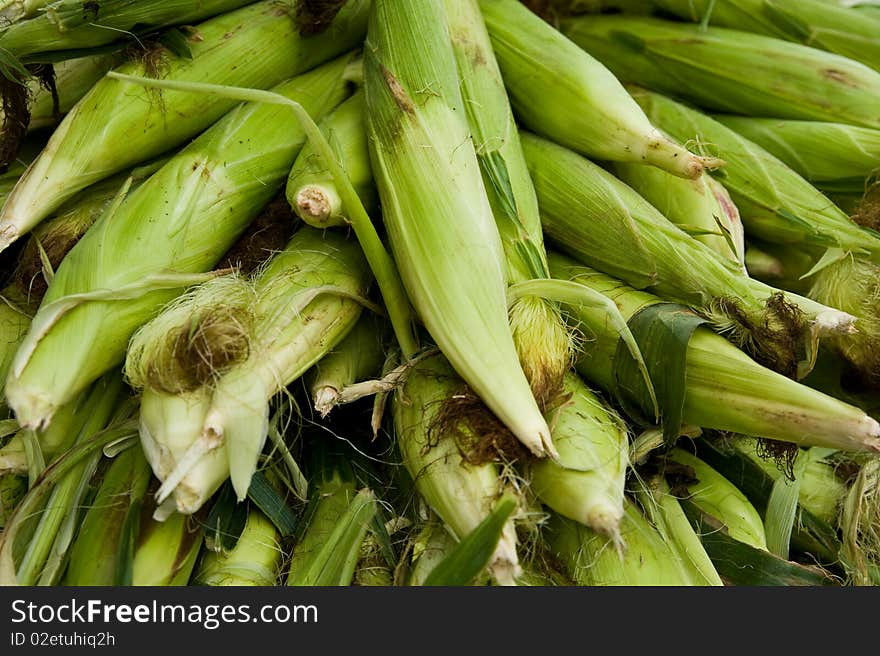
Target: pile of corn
[{"x": 459, "y": 292}]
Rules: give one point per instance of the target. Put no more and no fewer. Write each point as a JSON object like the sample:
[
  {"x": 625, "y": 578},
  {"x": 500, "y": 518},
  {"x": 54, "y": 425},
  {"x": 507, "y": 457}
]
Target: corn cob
[
  {"x": 573, "y": 98},
  {"x": 103, "y": 549},
  {"x": 439, "y": 443},
  {"x": 590, "y": 559},
  {"x": 718, "y": 497},
  {"x": 628, "y": 238},
  {"x": 815, "y": 23},
  {"x": 435, "y": 206},
  {"x": 71, "y": 24},
  {"x": 723, "y": 388},
  {"x": 212, "y": 361},
  {"x": 587, "y": 483},
  {"x": 311, "y": 190},
  {"x": 833, "y": 156},
  {"x": 243, "y": 160},
  {"x": 255, "y": 45},
  {"x": 539, "y": 333},
  {"x": 701, "y": 207},
  {"x": 254, "y": 561},
  {"x": 731, "y": 70}
]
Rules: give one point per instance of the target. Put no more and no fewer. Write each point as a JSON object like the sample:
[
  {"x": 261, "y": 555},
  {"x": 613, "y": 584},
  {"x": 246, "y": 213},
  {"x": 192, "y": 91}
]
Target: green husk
[
  {"x": 777, "y": 205},
  {"x": 72, "y": 24},
  {"x": 166, "y": 551},
  {"x": 311, "y": 189},
  {"x": 435, "y": 209},
  {"x": 859, "y": 523},
  {"x": 721, "y": 387},
  {"x": 37, "y": 539},
  {"x": 731, "y": 71},
  {"x": 593, "y": 216},
  {"x": 591, "y": 559},
  {"x": 73, "y": 79},
  {"x": 440, "y": 441},
  {"x": 254, "y": 561},
  {"x": 257, "y": 46},
  {"x": 212, "y": 361},
  {"x": 822, "y": 491},
  {"x": 430, "y": 546},
  {"x": 15, "y": 10},
  {"x": 664, "y": 510},
  {"x": 815, "y": 23},
  {"x": 702, "y": 207},
  {"x": 327, "y": 552},
  {"x": 539, "y": 332},
  {"x": 104, "y": 547},
  {"x": 587, "y": 483},
  {"x": 558, "y": 90},
  {"x": 355, "y": 359},
  {"x": 835, "y": 157},
  {"x": 716, "y": 496},
  {"x": 779, "y": 265},
  {"x": 98, "y": 298},
  {"x": 467, "y": 560},
  {"x": 13, "y": 487}
]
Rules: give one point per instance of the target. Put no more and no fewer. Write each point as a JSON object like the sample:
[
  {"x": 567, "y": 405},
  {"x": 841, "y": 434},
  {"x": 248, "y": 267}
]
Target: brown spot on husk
[
  {"x": 867, "y": 212},
  {"x": 200, "y": 351},
  {"x": 267, "y": 234},
  {"x": 776, "y": 339},
  {"x": 315, "y": 16},
  {"x": 840, "y": 77},
  {"x": 398, "y": 92},
  {"x": 91, "y": 10},
  {"x": 481, "y": 437},
  {"x": 16, "y": 116}
]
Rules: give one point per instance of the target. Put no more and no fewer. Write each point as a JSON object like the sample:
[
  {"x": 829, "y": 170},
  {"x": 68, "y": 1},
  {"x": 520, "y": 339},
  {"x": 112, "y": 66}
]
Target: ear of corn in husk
[
  {"x": 587, "y": 482},
  {"x": 73, "y": 78},
  {"x": 238, "y": 344},
  {"x": 718, "y": 497},
  {"x": 254, "y": 561},
  {"x": 35, "y": 543},
  {"x": 71, "y": 24},
  {"x": 571, "y": 97},
  {"x": 539, "y": 333},
  {"x": 311, "y": 189},
  {"x": 328, "y": 547},
  {"x": 166, "y": 551},
  {"x": 598, "y": 219},
  {"x": 834, "y": 157},
  {"x": 591, "y": 559},
  {"x": 777, "y": 205},
  {"x": 816, "y": 23},
  {"x": 663, "y": 510},
  {"x": 780, "y": 207},
  {"x": 255, "y": 45},
  {"x": 435, "y": 209},
  {"x": 724, "y": 389},
  {"x": 355, "y": 359},
  {"x": 702, "y": 207},
  {"x": 43, "y": 252},
  {"x": 731, "y": 70},
  {"x": 108, "y": 285},
  {"x": 103, "y": 550},
  {"x": 438, "y": 440}
]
